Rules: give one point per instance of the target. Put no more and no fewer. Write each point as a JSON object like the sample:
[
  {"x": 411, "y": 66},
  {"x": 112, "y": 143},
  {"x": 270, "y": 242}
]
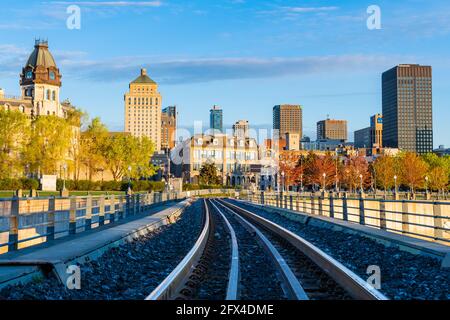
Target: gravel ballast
[
  {"x": 404, "y": 275},
  {"x": 131, "y": 271}
]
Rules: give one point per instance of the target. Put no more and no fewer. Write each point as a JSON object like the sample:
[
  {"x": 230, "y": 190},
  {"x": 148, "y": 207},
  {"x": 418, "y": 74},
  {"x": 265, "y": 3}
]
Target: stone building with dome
[{"x": 40, "y": 84}]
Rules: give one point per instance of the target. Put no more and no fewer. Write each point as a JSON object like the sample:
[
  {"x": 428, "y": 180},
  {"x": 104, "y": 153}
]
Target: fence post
[
  {"x": 382, "y": 214},
  {"x": 405, "y": 217},
  {"x": 51, "y": 219},
  {"x": 138, "y": 204},
  {"x": 321, "y": 198},
  {"x": 112, "y": 209},
  {"x": 277, "y": 200},
  {"x": 331, "y": 205},
  {"x": 313, "y": 207},
  {"x": 101, "y": 211},
  {"x": 73, "y": 215},
  {"x": 14, "y": 225},
  {"x": 362, "y": 219},
  {"x": 262, "y": 197},
  {"x": 344, "y": 207},
  {"x": 438, "y": 221},
  {"x": 291, "y": 202},
  {"x": 88, "y": 216},
  {"x": 127, "y": 210}
]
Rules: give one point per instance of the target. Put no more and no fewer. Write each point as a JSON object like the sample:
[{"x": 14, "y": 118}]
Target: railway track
[{"x": 242, "y": 256}]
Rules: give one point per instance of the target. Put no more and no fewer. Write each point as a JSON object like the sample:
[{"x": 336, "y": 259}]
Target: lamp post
[
  {"x": 129, "y": 180},
  {"x": 361, "y": 183},
  {"x": 301, "y": 182},
  {"x": 282, "y": 181},
  {"x": 426, "y": 187},
  {"x": 324, "y": 175},
  {"x": 64, "y": 176}
]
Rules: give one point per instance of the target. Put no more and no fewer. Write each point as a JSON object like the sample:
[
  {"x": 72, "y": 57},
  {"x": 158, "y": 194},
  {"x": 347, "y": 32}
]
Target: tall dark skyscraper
[
  {"x": 407, "y": 108},
  {"x": 216, "y": 118}
]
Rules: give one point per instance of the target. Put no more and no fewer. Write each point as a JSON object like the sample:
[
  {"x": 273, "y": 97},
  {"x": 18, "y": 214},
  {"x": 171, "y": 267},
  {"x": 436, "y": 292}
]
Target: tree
[
  {"x": 354, "y": 168},
  {"x": 90, "y": 146},
  {"x": 318, "y": 166},
  {"x": 384, "y": 172},
  {"x": 208, "y": 174},
  {"x": 438, "y": 171},
  {"x": 49, "y": 145},
  {"x": 413, "y": 170},
  {"x": 290, "y": 164},
  {"x": 122, "y": 152},
  {"x": 438, "y": 178},
  {"x": 14, "y": 135}
]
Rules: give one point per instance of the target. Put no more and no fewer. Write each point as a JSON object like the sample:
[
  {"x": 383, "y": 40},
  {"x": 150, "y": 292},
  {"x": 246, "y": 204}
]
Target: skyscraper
[
  {"x": 407, "y": 108},
  {"x": 330, "y": 129},
  {"x": 216, "y": 119},
  {"x": 168, "y": 127},
  {"x": 143, "y": 109},
  {"x": 288, "y": 119}
]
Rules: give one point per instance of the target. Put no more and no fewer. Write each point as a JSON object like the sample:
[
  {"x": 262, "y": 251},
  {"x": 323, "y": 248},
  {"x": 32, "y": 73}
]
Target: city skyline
[{"x": 324, "y": 78}]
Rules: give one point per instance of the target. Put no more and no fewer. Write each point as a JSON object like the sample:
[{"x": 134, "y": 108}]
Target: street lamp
[
  {"x": 324, "y": 175},
  {"x": 426, "y": 185},
  {"x": 129, "y": 180},
  {"x": 64, "y": 176},
  {"x": 361, "y": 182},
  {"x": 301, "y": 182},
  {"x": 282, "y": 181}
]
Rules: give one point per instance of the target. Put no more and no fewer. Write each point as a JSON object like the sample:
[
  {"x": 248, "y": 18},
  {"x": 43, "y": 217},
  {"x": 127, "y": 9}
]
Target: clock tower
[{"x": 40, "y": 82}]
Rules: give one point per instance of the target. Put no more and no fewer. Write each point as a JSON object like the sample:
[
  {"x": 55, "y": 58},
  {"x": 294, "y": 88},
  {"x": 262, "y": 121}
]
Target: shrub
[{"x": 29, "y": 184}]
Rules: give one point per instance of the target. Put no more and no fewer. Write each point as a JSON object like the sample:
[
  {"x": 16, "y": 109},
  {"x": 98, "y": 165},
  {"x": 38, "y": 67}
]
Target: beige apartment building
[
  {"x": 241, "y": 128},
  {"x": 237, "y": 159},
  {"x": 143, "y": 109}
]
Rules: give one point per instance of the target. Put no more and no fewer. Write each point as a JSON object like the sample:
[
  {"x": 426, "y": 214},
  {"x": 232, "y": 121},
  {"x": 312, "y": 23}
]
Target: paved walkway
[{"x": 86, "y": 245}]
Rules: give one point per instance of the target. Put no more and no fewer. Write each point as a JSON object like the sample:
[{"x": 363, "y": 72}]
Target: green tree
[
  {"x": 438, "y": 172},
  {"x": 122, "y": 152},
  {"x": 208, "y": 174},
  {"x": 49, "y": 144},
  {"x": 91, "y": 145},
  {"x": 14, "y": 136}
]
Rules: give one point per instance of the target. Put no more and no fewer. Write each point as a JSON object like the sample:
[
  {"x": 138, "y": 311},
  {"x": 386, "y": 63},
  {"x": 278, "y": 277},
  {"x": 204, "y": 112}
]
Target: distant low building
[
  {"x": 371, "y": 137},
  {"x": 331, "y": 129},
  {"x": 442, "y": 151}
]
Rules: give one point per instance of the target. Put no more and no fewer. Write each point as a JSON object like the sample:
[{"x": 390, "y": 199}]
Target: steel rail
[
  {"x": 293, "y": 288},
  {"x": 233, "y": 277},
  {"x": 351, "y": 282},
  {"x": 170, "y": 286}
]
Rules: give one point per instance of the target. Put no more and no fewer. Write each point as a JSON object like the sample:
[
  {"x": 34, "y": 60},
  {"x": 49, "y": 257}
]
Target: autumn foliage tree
[
  {"x": 413, "y": 170},
  {"x": 384, "y": 172},
  {"x": 354, "y": 169}
]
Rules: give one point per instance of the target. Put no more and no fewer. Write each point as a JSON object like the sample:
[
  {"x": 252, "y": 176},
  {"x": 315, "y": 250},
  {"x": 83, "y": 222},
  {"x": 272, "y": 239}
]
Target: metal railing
[
  {"x": 26, "y": 222},
  {"x": 425, "y": 219}
]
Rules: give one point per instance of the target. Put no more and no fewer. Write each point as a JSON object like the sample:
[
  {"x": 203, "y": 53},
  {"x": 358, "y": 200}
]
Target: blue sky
[{"x": 244, "y": 55}]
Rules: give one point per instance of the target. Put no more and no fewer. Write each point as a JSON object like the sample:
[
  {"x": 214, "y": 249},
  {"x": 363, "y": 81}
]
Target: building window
[
  {"x": 54, "y": 95},
  {"x": 48, "y": 94}
]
